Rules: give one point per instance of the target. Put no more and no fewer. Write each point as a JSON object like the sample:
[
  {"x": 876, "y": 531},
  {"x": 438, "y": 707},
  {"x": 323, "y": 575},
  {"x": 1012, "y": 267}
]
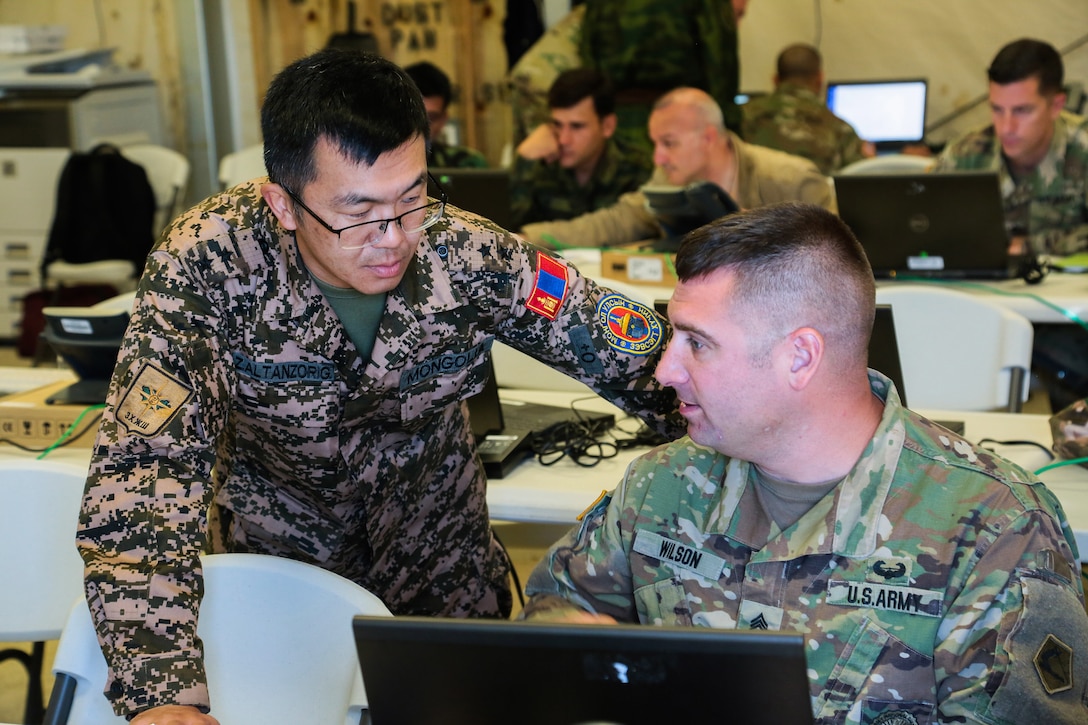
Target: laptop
[
  {"x": 943, "y": 226},
  {"x": 504, "y": 430},
  {"x": 482, "y": 191},
  {"x": 889, "y": 113},
  {"x": 426, "y": 671}
]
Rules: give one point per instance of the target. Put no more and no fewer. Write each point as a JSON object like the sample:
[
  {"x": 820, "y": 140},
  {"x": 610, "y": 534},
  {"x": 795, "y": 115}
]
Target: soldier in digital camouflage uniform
[
  {"x": 934, "y": 581},
  {"x": 590, "y": 168},
  {"x": 1039, "y": 151},
  {"x": 437, "y": 92},
  {"x": 306, "y": 387},
  {"x": 794, "y": 118},
  {"x": 648, "y": 47}
]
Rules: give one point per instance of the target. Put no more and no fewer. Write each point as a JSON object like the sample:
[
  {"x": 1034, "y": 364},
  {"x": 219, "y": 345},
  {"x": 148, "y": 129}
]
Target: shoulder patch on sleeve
[
  {"x": 628, "y": 325},
  {"x": 600, "y": 502},
  {"x": 152, "y": 400},
  {"x": 1054, "y": 663},
  {"x": 551, "y": 287}
]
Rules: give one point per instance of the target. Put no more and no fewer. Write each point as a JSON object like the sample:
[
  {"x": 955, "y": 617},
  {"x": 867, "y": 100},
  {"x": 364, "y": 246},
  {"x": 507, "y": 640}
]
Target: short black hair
[
  {"x": 571, "y": 86},
  {"x": 362, "y": 103},
  {"x": 431, "y": 81},
  {"x": 1028, "y": 58}
]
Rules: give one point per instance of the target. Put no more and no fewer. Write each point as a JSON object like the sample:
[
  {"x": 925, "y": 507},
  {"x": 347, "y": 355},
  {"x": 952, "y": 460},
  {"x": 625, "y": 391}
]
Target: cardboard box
[
  {"x": 26, "y": 419},
  {"x": 650, "y": 268}
]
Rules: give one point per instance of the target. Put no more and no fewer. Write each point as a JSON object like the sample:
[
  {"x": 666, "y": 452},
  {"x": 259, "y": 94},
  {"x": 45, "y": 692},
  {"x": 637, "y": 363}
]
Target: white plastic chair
[
  {"x": 41, "y": 572},
  {"x": 889, "y": 164},
  {"x": 959, "y": 351},
  {"x": 168, "y": 173},
  {"x": 278, "y": 647},
  {"x": 241, "y": 165}
]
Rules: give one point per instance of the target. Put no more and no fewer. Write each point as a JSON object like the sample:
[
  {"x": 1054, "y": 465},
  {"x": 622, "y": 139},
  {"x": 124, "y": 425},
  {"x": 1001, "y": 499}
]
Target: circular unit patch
[{"x": 628, "y": 325}]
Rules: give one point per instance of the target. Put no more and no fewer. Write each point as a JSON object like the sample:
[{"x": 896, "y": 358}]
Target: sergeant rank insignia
[{"x": 151, "y": 401}]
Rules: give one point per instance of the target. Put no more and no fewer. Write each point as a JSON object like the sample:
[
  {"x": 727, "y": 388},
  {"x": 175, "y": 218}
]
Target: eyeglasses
[{"x": 357, "y": 236}]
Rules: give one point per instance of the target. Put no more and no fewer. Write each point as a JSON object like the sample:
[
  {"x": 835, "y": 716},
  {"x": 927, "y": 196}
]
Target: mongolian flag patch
[{"x": 551, "y": 287}]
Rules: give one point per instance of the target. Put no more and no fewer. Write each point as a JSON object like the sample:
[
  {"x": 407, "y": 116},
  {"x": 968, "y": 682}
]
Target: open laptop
[
  {"x": 504, "y": 430},
  {"x": 944, "y": 226},
  {"x": 482, "y": 191},
  {"x": 426, "y": 671},
  {"x": 889, "y": 113}
]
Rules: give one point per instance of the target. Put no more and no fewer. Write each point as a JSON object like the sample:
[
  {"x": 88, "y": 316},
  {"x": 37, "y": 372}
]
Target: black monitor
[
  {"x": 88, "y": 340},
  {"x": 681, "y": 209}
]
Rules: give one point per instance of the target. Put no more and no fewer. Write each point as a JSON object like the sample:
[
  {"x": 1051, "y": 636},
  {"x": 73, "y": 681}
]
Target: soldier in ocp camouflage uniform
[
  {"x": 1039, "y": 151},
  {"x": 794, "y": 119},
  {"x": 933, "y": 581},
  {"x": 305, "y": 386}
]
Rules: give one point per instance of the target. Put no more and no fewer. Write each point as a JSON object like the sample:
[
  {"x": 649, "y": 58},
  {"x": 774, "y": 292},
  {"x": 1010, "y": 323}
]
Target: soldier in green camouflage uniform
[
  {"x": 1039, "y": 151},
  {"x": 590, "y": 169},
  {"x": 648, "y": 47},
  {"x": 308, "y": 394},
  {"x": 437, "y": 92},
  {"x": 933, "y": 581},
  {"x": 531, "y": 77},
  {"x": 794, "y": 118}
]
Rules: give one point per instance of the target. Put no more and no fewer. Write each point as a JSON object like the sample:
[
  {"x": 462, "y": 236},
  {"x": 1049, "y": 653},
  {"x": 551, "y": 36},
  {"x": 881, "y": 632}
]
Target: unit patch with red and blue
[
  {"x": 551, "y": 287},
  {"x": 628, "y": 325}
]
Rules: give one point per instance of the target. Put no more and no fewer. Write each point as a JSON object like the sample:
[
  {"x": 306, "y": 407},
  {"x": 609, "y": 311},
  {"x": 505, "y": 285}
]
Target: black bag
[{"x": 105, "y": 209}]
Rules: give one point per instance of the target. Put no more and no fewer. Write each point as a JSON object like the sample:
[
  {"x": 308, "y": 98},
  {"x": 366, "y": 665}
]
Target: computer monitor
[
  {"x": 888, "y": 113},
  {"x": 87, "y": 339},
  {"x": 482, "y": 191},
  {"x": 681, "y": 209},
  {"x": 449, "y": 671}
]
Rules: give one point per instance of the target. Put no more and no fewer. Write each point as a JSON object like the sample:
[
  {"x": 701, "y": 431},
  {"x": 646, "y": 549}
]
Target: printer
[{"x": 75, "y": 99}]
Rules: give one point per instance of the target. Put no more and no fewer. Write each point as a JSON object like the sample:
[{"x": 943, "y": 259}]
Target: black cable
[
  {"x": 982, "y": 443},
  {"x": 580, "y": 440}
]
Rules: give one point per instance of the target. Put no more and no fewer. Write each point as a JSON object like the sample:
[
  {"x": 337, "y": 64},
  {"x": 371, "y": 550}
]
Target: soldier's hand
[
  {"x": 539, "y": 145},
  {"x": 173, "y": 715}
]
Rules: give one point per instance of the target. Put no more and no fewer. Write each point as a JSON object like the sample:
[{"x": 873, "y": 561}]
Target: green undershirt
[{"x": 360, "y": 314}]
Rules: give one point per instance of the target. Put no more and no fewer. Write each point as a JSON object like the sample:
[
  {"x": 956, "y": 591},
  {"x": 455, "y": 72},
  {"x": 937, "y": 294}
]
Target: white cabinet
[{"x": 28, "y": 187}]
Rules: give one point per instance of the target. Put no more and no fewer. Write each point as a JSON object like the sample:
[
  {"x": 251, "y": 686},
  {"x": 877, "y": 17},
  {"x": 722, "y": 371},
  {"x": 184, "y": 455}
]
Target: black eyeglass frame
[{"x": 441, "y": 203}]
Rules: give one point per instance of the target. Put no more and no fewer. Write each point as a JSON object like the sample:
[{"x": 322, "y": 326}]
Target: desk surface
[
  {"x": 556, "y": 494},
  {"x": 1036, "y": 302}
]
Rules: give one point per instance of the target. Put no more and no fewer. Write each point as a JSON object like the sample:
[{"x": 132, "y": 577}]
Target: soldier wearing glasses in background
[{"x": 293, "y": 376}]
